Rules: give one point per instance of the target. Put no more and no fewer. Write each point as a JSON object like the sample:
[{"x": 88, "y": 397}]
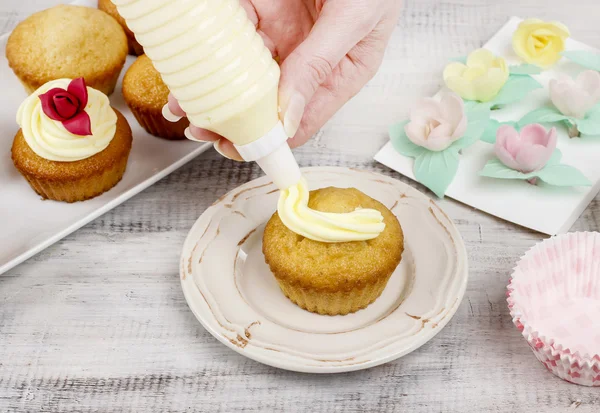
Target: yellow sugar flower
[
  {"x": 539, "y": 42},
  {"x": 480, "y": 79}
]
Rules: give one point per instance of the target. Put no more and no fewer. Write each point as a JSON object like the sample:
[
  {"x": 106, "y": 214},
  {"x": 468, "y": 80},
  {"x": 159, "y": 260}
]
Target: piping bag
[
  {"x": 216, "y": 65},
  {"x": 223, "y": 76}
]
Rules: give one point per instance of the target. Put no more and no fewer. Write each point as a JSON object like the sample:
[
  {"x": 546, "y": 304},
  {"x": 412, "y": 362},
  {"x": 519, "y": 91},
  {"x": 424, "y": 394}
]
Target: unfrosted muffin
[
  {"x": 68, "y": 42},
  {"x": 109, "y": 7},
  {"x": 146, "y": 94},
  {"x": 63, "y": 156},
  {"x": 333, "y": 278}
]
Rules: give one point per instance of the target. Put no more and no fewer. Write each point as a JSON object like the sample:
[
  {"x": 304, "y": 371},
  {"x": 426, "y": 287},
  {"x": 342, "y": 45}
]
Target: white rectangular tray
[
  {"x": 544, "y": 209},
  {"x": 29, "y": 224}
]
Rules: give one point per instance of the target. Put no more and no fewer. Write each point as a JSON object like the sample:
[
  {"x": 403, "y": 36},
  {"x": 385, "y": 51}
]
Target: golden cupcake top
[
  {"x": 109, "y": 7},
  {"x": 64, "y": 40},
  {"x": 359, "y": 224},
  {"x": 331, "y": 266},
  {"x": 143, "y": 86},
  {"x": 64, "y": 120}
]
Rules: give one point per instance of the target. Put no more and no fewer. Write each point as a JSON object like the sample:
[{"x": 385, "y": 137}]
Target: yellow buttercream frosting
[
  {"x": 50, "y": 140},
  {"x": 359, "y": 225}
]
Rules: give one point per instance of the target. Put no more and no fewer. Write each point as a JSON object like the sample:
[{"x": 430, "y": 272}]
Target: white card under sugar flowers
[{"x": 547, "y": 209}]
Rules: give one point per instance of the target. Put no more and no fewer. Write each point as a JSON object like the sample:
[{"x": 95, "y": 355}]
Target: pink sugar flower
[
  {"x": 575, "y": 97},
  {"x": 526, "y": 151},
  {"x": 436, "y": 125}
]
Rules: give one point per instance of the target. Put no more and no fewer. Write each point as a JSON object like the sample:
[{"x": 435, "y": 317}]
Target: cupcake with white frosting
[{"x": 72, "y": 144}]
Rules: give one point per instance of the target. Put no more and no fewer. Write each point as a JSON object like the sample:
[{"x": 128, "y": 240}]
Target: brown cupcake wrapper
[
  {"x": 135, "y": 48},
  {"x": 155, "y": 124},
  {"x": 333, "y": 303},
  {"x": 81, "y": 189},
  {"x": 107, "y": 83}
]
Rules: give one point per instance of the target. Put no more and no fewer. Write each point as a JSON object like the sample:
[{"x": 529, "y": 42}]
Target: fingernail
[
  {"x": 168, "y": 115},
  {"x": 216, "y": 146},
  {"x": 293, "y": 114},
  {"x": 188, "y": 134}
]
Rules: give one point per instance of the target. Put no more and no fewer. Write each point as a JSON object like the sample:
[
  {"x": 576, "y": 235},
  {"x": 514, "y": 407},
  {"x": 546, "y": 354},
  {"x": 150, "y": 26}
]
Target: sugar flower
[
  {"x": 539, "y": 42},
  {"x": 575, "y": 97},
  {"x": 68, "y": 107},
  {"x": 435, "y": 125},
  {"x": 526, "y": 151},
  {"x": 480, "y": 79}
]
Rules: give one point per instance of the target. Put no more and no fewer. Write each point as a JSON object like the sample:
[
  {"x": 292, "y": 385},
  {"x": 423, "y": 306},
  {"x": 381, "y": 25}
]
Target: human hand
[{"x": 328, "y": 51}]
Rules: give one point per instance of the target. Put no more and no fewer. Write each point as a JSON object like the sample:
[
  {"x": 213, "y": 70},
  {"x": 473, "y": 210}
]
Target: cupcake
[
  {"x": 109, "y": 7},
  {"x": 72, "y": 145},
  {"x": 146, "y": 94},
  {"x": 333, "y": 278},
  {"x": 68, "y": 42}
]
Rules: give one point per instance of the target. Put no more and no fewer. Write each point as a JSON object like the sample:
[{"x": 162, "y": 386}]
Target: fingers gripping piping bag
[{"x": 216, "y": 65}]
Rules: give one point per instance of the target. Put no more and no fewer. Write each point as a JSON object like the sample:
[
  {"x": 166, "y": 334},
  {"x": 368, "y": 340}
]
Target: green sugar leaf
[
  {"x": 542, "y": 115},
  {"x": 514, "y": 90},
  {"x": 563, "y": 175},
  {"x": 591, "y": 124},
  {"x": 436, "y": 170},
  {"x": 459, "y": 59},
  {"x": 589, "y": 60},
  {"x": 555, "y": 158},
  {"x": 477, "y": 120},
  {"x": 401, "y": 143},
  {"x": 553, "y": 173},
  {"x": 525, "y": 69},
  {"x": 496, "y": 169},
  {"x": 489, "y": 134}
]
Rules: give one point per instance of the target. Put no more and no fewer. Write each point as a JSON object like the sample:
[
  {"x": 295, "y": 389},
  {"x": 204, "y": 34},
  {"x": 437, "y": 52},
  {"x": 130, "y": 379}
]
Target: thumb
[{"x": 339, "y": 27}]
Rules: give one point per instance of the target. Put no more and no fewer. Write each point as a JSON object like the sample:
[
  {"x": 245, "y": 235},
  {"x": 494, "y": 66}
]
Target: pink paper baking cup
[{"x": 554, "y": 300}]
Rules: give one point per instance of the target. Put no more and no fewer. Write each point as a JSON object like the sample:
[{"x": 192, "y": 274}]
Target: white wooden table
[{"x": 98, "y": 322}]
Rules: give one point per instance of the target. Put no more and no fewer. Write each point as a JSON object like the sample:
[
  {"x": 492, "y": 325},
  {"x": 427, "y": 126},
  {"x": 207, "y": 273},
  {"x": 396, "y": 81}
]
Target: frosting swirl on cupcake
[
  {"x": 50, "y": 140},
  {"x": 359, "y": 225}
]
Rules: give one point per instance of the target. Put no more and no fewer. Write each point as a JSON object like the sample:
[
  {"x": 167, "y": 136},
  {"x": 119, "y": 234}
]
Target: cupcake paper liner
[
  {"x": 334, "y": 303},
  {"x": 79, "y": 190},
  {"x": 135, "y": 48},
  {"x": 155, "y": 124},
  {"x": 554, "y": 300}
]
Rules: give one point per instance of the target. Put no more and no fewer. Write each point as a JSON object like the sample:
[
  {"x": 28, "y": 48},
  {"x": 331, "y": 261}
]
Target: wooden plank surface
[{"x": 98, "y": 322}]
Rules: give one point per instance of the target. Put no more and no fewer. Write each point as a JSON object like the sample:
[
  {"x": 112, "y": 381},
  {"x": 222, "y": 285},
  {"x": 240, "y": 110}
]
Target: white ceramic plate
[
  {"x": 27, "y": 223},
  {"x": 231, "y": 291}
]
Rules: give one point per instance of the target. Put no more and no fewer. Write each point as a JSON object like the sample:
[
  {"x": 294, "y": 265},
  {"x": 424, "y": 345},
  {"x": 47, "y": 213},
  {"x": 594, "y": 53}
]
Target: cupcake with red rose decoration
[{"x": 72, "y": 144}]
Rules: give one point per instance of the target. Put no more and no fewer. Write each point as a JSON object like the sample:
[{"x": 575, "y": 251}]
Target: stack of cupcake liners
[{"x": 554, "y": 300}]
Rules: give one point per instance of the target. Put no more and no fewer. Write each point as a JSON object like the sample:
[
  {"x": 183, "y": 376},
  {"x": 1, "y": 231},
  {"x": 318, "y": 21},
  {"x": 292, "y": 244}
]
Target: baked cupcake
[
  {"x": 68, "y": 42},
  {"x": 146, "y": 94},
  {"x": 334, "y": 278},
  {"x": 72, "y": 145},
  {"x": 109, "y": 7}
]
